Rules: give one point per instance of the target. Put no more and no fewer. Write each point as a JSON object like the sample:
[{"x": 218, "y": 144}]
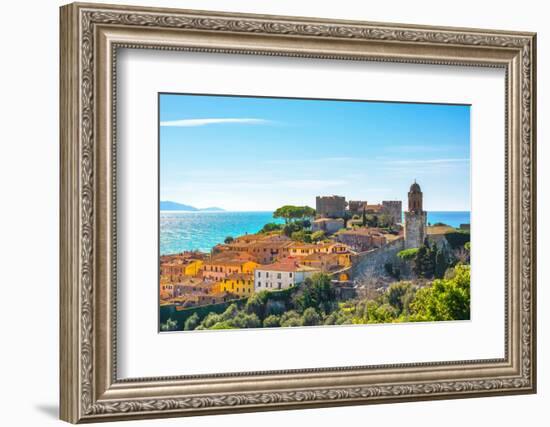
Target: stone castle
[
  {"x": 337, "y": 207},
  {"x": 415, "y": 217},
  {"x": 330, "y": 206}
]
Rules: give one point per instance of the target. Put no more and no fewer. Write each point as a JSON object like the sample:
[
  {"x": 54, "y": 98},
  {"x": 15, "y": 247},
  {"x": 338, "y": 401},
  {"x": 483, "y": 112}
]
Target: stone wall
[
  {"x": 370, "y": 265},
  {"x": 328, "y": 225},
  {"x": 394, "y": 210},
  {"x": 355, "y": 207},
  {"x": 415, "y": 229}
]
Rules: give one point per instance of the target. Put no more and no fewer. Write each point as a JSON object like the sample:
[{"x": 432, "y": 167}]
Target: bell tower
[
  {"x": 415, "y": 198},
  {"x": 415, "y": 219}
]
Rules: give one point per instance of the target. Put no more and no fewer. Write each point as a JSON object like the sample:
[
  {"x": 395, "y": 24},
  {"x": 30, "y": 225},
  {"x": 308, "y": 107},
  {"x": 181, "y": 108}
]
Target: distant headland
[{"x": 166, "y": 205}]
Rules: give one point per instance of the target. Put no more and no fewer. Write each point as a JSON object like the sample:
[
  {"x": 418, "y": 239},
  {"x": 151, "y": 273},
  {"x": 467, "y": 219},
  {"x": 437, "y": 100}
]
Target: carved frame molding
[{"x": 90, "y": 36}]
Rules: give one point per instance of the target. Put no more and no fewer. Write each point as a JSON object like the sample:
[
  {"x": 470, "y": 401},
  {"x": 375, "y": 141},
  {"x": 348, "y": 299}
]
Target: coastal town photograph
[{"x": 282, "y": 212}]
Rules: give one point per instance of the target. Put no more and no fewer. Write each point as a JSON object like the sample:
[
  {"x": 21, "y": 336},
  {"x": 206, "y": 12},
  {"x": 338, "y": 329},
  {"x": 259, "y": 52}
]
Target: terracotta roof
[
  {"x": 304, "y": 245},
  {"x": 374, "y": 207},
  {"x": 231, "y": 258},
  {"x": 320, "y": 256},
  {"x": 239, "y": 276},
  {"x": 286, "y": 266},
  {"x": 195, "y": 284}
]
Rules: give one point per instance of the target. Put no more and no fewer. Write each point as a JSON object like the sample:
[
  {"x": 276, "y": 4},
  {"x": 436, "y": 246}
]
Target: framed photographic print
[{"x": 264, "y": 212}]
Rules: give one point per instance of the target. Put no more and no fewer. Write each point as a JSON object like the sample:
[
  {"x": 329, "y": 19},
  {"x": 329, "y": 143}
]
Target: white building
[{"x": 281, "y": 275}]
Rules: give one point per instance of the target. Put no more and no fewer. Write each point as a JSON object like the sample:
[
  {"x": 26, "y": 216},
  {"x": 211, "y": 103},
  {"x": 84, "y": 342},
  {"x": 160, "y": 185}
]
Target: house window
[
  {"x": 289, "y": 274},
  {"x": 259, "y": 284},
  {"x": 259, "y": 274},
  {"x": 278, "y": 275},
  {"x": 267, "y": 274}
]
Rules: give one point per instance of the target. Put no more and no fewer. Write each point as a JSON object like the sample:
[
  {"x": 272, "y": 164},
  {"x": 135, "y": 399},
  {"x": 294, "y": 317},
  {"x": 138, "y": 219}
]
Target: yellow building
[
  {"x": 237, "y": 284},
  {"x": 222, "y": 266},
  {"x": 344, "y": 260},
  {"x": 193, "y": 268},
  {"x": 179, "y": 270}
]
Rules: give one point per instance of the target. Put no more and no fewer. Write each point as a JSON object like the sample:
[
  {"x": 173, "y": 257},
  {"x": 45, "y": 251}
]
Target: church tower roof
[{"x": 415, "y": 188}]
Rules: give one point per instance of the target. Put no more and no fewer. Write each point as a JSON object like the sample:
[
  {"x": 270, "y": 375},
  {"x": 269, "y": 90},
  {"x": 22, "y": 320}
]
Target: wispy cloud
[
  {"x": 214, "y": 121},
  {"x": 426, "y": 161},
  {"x": 302, "y": 161},
  {"x": 420, "y": 148}
]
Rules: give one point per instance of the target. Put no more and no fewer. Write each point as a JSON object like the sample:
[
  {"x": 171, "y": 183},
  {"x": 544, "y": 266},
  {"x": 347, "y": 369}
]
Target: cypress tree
[
  {"x": 440, "y": 264},
  {"x": 424, "y": 263}
]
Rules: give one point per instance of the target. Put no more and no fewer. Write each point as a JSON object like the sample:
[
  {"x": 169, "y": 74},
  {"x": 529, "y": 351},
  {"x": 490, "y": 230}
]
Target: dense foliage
[
  {"x": 292, "y": 213},
  {"x": 431, "y": 261},
  {"x": 270, "y": 227},
  {"x": 170, "y": 325},
  {"x": 376, "y": 220},
  {"x": 314, "y": 303},
  {"x": 457, "y": 238}
]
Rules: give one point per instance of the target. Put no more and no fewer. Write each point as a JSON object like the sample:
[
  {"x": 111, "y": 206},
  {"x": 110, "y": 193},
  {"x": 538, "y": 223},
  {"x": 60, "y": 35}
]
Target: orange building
[
  {"x": 265, "y": 248},
  {"x": 298, "y": 249},
  {"x": 321, "y": 261},
  {"x": 220, "y": 266}
]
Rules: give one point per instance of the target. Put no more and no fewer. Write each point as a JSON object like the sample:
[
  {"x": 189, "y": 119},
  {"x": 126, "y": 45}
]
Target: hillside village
[{"x": 362, "y": 248}]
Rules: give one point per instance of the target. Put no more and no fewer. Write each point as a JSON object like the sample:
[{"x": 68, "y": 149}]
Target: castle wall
[{"x": 370, "y": 264}]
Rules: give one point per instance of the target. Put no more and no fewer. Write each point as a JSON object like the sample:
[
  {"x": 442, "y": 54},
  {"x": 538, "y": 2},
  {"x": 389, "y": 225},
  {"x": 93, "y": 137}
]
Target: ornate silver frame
[{"x": 90, "y": 36}]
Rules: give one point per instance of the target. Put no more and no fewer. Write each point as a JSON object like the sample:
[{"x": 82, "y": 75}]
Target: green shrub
[
  {"x": 191, "y": 323},
  {"x": 272, "y": 321},
  {"x": 170, "y": 325},
  {"x": 301, "y": 236},
  {"x": 272, "y": 226},
  {"x": 408, "y": 254},
  {"x": 446, "y": 299},
  {"x": 310, "y": 317},
  {"x": 317, "y": 236},
  {"x": 291, "y": 318}
]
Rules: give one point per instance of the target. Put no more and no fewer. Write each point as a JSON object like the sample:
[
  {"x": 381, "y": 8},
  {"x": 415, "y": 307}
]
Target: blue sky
[{"x": 247, "y": 154}]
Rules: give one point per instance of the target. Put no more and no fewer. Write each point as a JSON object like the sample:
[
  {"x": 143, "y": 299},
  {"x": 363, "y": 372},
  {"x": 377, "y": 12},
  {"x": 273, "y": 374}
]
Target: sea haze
[{"x": 201, "y": 230}]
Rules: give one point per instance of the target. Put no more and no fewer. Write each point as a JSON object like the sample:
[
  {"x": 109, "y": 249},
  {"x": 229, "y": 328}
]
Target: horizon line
[{"x": 203, "y": 210}]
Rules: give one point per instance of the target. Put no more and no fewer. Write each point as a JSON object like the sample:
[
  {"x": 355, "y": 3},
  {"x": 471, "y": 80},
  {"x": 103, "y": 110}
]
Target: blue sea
[{"x": 183, "y": 231}]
